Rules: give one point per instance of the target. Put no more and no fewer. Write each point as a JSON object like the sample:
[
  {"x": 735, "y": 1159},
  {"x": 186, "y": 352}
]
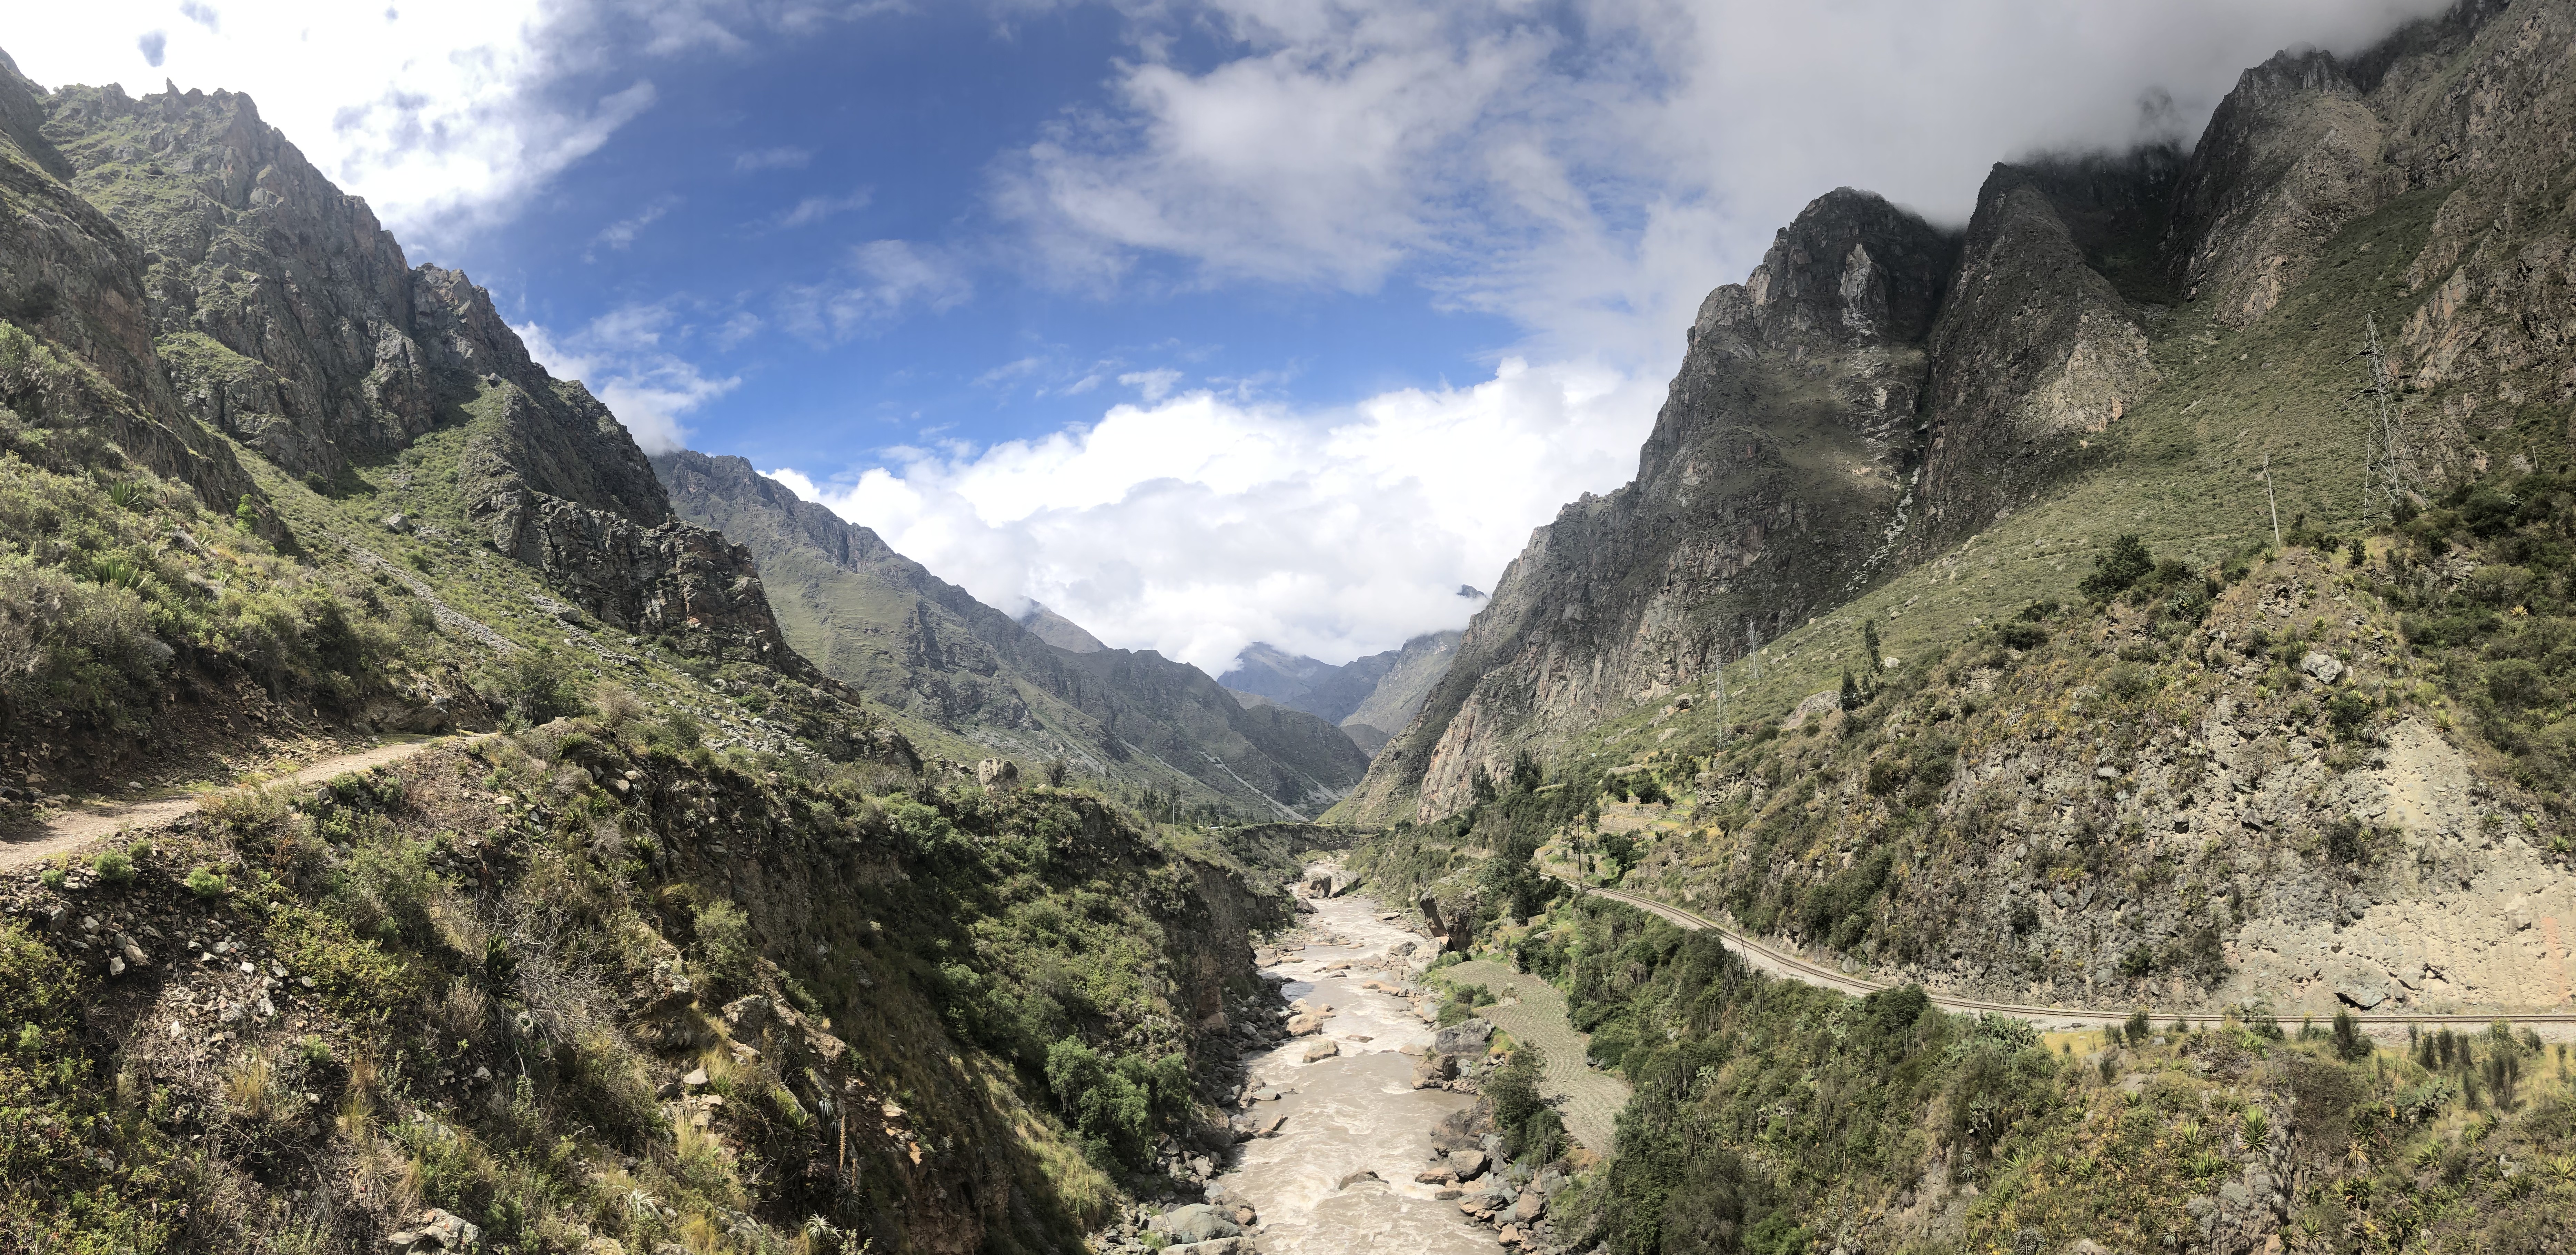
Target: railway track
[{"x": 1783, "y": 963}]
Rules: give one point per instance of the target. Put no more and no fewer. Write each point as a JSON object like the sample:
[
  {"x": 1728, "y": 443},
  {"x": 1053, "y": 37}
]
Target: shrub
[
  {"x": 1114, "y": 1105},
  {"x": 1532, "y": 1131},
  {"x": 724, "y": 945},
  {"x": 113, "y": 867},
  {"x": 206, "y": 883},
  {"x": 540, "y": 685},
  {"x": 2118, "y": 568},
  {"x": 2020, "y": 635}
]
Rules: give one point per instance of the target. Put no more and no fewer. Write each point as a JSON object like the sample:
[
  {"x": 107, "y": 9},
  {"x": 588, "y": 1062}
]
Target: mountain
[
  {"x": 2033, "y": 661},
  {"x": 1882, "y": 403},
  {"x": 1366, "y": 696},
  {"x": 273, "y": 497},
  {"x": 1059, "y": 631},
  {"x": 964, "y": 678}
]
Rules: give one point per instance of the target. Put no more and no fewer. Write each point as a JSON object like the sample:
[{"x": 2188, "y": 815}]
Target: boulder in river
[
  {"x": 1196, "y": 1222},
  {"x": 1322, "y": 1050},
  {"x": 1301, "y": 1025},
  {"x": 1464, "y": 1037},
  {"x": 1432, "y": 1070},
  {"x": 1466, "y": 1165}
]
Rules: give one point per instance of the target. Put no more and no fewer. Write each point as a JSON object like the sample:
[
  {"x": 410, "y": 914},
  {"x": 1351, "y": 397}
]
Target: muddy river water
[{"x": 1354, "y": 1113}]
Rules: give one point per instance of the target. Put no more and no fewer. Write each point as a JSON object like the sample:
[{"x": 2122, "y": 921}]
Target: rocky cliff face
[
  {"x": 1871, "y": 413},
  {"x": 286, "y": 316},
  {"x": 966, "y": 672},
  {"x": 1775, "y": 483},
  {"x": 73, "y": 279}
]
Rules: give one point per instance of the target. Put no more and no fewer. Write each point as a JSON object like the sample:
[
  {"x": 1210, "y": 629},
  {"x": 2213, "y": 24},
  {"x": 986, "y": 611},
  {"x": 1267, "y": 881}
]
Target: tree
[
  {"x": 542, "y": 684},
  {"x": 2118, "y": 568},
  {"x": 1851, "y": 693},
  {"x": 1480, "y": 784},
  {"x": 1526, "y": 775},
  {"x": 1869, "y": 641}
]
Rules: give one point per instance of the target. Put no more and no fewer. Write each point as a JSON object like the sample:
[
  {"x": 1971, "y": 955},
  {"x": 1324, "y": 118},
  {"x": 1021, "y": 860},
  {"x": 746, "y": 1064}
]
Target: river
[{"x": 1356, "y": 1112}]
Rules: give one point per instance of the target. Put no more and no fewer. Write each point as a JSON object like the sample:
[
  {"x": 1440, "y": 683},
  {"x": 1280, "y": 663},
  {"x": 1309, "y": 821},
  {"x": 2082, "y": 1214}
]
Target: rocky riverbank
[{"x": 1357, "y": 1123}]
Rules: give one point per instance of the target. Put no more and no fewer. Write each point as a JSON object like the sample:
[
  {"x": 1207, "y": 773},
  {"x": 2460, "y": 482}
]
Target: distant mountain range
[
  {"x": 963, "y": 679},
  {"x": 1372, "y": 698}
]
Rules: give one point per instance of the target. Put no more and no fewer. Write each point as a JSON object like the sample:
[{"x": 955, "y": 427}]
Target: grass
[{"x": 1762, "y": 1105}]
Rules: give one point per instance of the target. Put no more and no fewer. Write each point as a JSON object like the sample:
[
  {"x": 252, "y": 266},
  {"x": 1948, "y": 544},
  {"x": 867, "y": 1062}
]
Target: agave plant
[{"x": 116, "y": 570}]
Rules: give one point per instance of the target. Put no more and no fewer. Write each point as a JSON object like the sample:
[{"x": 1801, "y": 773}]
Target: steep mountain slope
[
  {"x": 2112, "y": 349},
  {"x": 2331, "y": 771},
  {"x": 694, "y": 956},
  {"x": 965, "y": 676}
]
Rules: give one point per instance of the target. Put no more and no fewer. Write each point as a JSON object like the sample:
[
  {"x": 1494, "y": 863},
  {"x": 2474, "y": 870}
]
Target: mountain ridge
[{"x": 958, "y": 671}]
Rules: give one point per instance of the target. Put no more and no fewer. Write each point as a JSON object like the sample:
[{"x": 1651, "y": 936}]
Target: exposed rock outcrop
[{"x": 287, "y": 316}]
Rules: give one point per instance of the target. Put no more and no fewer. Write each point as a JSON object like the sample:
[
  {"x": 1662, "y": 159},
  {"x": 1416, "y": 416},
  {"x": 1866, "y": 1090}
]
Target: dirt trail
[
  {"x": 89, "y": 822},
  {"x": 2556, "y": 1025}
]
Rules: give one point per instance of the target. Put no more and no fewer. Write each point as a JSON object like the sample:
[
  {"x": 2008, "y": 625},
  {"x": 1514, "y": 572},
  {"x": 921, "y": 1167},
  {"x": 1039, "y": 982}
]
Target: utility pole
[
  {"x": 1717, "y": 683},
  {"x": 2267, "y": 496},
  {"x": 2389, "y": 457}
]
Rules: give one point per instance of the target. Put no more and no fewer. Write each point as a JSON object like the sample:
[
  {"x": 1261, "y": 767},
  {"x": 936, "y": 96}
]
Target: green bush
[
  {"x": 206, "y": 883},
  {"x": 2118, "y": 568},
  {"x": 113, "y": 867},
  {"x": 1532, "y": 1131},
  {"x": 542, "y": 684},
  {"x": 1115, "y": 1105},
  {"x": 725, "y": 947}
]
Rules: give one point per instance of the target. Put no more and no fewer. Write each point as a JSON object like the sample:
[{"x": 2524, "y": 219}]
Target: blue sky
[{"x": 1202, "y": 321}]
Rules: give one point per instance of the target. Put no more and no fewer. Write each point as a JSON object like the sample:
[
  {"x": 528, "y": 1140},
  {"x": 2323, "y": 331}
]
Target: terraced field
[{"x": 1533, "y": 1011}]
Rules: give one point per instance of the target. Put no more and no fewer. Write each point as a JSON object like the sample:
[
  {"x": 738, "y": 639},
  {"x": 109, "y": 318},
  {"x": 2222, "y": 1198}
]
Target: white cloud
[
  {"x": 781, "y": 158},
  {"x": 1196, "y": 524},
  {"x": 1586, "y": 172},
  {"x": 625, "y": 358},
  {"x": 1155, "y": 384},
  {"x": 815, "y": 209},
  {"x": 622, "y": 233},
  {"x": 1589, "y": 172},
  {"x": 880, "y": 280},
  {"x": 445, "y": 116}
]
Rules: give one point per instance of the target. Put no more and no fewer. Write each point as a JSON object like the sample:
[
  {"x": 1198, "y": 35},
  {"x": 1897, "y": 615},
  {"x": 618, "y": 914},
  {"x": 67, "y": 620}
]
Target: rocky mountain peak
[{"x": 1851, "y": 269}]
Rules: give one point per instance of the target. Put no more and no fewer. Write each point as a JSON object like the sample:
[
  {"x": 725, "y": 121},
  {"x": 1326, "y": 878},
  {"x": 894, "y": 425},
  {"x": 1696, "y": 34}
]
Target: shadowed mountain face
[
  {"x": 1878, "y": 393},
  {"x": 968, "y": 677}
]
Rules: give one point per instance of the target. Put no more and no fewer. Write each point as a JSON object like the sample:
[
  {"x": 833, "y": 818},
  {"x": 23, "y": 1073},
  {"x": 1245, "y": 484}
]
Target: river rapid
[{"x": 1354, "y": 1113}]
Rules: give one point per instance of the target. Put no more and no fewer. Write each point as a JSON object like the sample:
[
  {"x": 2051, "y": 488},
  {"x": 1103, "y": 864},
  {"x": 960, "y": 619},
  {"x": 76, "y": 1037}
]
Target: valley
[{"x": 2052, "y": 754}]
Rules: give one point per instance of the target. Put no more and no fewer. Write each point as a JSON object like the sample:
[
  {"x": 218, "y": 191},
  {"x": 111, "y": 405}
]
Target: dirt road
[
  {"x": 90, "y": 822},
  {"x": 1781, "y": 963}
]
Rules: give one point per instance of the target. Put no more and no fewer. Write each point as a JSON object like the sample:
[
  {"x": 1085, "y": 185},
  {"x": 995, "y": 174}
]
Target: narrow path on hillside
[
  {"x": 89, "y": 822},
  {"x": 1782, "y": 963},
  {"x": 1534, "y": 1013}
]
